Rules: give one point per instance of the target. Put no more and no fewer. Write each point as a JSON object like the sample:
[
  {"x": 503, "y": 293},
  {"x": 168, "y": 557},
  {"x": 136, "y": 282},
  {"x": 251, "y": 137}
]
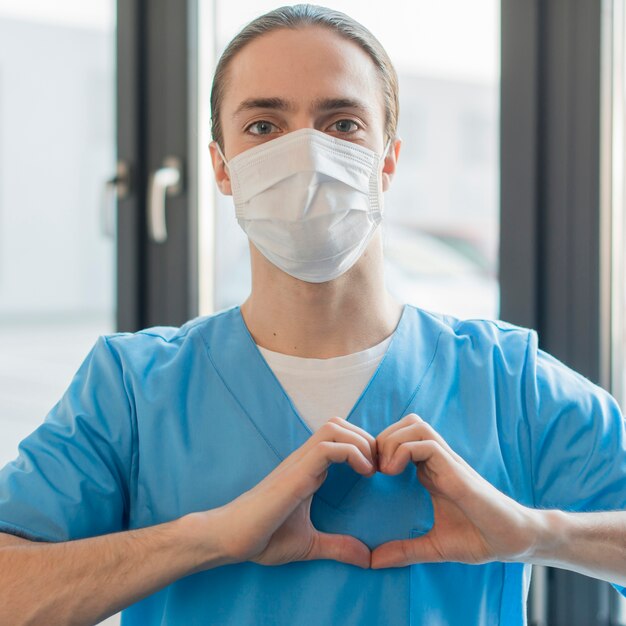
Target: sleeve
[
  {"x": 578, "y": 439},
  {"x": 70, "y": 479}
]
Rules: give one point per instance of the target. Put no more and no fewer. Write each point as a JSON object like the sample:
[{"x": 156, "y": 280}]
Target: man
[{"x": 321, "y": 454}]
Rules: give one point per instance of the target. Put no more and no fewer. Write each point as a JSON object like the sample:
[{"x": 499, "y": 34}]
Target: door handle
[
  {"x": 164, "y": 182},
  {"x": 116, "y": 187}
]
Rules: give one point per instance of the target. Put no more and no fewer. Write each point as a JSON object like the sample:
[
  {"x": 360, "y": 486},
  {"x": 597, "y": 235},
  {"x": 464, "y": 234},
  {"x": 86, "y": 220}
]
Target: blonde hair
[{"x": 296, "y": 16}]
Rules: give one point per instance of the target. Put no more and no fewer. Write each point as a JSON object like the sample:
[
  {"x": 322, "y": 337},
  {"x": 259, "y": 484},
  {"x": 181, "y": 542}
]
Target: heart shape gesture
[{"x": 473, "y": 522}]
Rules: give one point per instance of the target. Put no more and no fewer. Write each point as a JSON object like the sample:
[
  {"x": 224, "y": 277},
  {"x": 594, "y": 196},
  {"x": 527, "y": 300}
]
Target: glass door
[{"x": 57, "y": 223}]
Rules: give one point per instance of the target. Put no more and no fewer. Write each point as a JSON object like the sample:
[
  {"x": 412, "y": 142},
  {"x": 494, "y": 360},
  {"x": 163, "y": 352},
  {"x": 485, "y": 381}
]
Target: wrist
[
  {"x": 203, "y": 532},
  {"x": 550, "y": 531}
]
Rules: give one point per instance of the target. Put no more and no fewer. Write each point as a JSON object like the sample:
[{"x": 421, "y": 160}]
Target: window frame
[{"x": 555, "y": 222}]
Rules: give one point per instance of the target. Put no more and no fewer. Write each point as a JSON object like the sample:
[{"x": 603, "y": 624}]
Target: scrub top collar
[{"x": 385, "y": 399}]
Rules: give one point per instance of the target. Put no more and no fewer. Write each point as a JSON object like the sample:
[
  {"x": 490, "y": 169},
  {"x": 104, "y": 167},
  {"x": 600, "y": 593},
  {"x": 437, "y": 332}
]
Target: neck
[{"x": 321, "y": 320}]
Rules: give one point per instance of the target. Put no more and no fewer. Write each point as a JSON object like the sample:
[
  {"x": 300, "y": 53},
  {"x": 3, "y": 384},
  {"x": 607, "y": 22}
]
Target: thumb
[
  {"x": 403, "y": 552},
  {"x": 343, "y": 548}
]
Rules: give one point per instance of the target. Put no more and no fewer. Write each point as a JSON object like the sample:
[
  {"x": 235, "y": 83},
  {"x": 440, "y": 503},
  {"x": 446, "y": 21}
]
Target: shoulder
[
  {"x": 554, "y": 388},
  {"x": 157, "y": 345},
  {"x": 514, "y": 350},
  {"x": 479, "y": 338}
]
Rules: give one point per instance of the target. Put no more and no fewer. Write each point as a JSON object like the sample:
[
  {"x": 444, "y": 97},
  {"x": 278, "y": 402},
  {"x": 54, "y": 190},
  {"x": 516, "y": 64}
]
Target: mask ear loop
[
  {"x": 221, "y": 153},
  {"x": 384, "y": 154},
  {"x": 386, "y": 150}
]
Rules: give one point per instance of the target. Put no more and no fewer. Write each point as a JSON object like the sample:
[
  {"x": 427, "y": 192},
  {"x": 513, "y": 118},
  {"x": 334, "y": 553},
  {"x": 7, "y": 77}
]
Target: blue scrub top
[{"x": 166, "y": 421}]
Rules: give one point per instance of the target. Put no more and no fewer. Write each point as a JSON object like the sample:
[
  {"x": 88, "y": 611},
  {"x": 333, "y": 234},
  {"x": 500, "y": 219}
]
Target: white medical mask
[{"x": 309, "y": 202}]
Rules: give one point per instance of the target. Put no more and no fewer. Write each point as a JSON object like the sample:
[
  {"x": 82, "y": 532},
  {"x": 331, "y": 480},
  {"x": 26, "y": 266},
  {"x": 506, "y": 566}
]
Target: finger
[
  {"x": 428, "y": 452},
  {"x": 332, "y": 430},
  {"x": 371, "y": 440},
  {"x": 306, "y": 477},
  {"x": 403, "y": 552},
  {"x": 343, "y": 548},
  {"x": 299, "y": 476},
  {"x": 305, "y": 469},
  {"x": 289, "y": 484},
  {"x": 410, "y": 418},
  {"x": 326, "y": 453},
  {"x": 413, "y": 431},
  {"x": 438, "y": 471}
]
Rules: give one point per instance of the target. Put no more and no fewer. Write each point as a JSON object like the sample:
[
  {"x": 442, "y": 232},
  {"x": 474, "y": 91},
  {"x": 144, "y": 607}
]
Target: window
[
  {"x": 442, "y": 212},
  {"x": 57, "y": 147}
]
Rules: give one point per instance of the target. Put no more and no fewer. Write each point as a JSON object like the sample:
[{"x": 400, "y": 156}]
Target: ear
[
  {"x": 391, "y": 161},
  {"x": 219, "y": 169}
]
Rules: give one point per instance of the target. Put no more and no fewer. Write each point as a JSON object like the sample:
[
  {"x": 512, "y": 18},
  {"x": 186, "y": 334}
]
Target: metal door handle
[
  {"x": 118, "y": 186},
  {"x": 166, "y": 181}
]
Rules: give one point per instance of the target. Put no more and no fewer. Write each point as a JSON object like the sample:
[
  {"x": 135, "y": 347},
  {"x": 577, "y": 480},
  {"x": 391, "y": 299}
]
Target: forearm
[
  {"x": 593, "y": 544},
  {"x": 83, "y": 581}
]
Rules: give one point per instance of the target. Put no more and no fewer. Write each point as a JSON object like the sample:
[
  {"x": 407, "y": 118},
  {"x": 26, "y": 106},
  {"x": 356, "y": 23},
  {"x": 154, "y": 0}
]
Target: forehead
[{"x": 302, "y": 64}]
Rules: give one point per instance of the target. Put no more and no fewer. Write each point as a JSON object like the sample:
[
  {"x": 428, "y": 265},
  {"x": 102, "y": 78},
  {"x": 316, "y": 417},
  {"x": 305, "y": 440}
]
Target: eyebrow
[{"x": 321, "y": 105}]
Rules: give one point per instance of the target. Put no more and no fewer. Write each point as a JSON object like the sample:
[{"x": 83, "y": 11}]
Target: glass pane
[
  {"x": 442, "y": 214},
  {"x": 57, "y": 148}
]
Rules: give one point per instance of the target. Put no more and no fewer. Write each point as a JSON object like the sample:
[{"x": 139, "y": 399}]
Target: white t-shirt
[{"x": 323, "y": 388}]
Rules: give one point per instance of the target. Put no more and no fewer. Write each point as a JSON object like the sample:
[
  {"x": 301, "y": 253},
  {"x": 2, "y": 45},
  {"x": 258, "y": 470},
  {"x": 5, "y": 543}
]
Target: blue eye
[
  {"x": 261, "y": 128},
  {"x": 346, "y": 126}
]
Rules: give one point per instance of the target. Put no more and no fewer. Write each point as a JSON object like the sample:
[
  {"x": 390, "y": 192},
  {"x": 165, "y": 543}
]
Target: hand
[
  {"x": 270, "y": 524},
  {"x": 473, "y": 521}
]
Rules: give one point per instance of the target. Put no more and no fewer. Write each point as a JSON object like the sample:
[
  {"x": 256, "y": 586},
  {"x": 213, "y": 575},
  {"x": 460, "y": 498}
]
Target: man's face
[{"x": 301, "y": 78}]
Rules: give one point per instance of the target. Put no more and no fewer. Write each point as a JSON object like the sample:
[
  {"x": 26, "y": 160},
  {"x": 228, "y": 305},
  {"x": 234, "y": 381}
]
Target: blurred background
[{"x": 508, "y": 201}]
